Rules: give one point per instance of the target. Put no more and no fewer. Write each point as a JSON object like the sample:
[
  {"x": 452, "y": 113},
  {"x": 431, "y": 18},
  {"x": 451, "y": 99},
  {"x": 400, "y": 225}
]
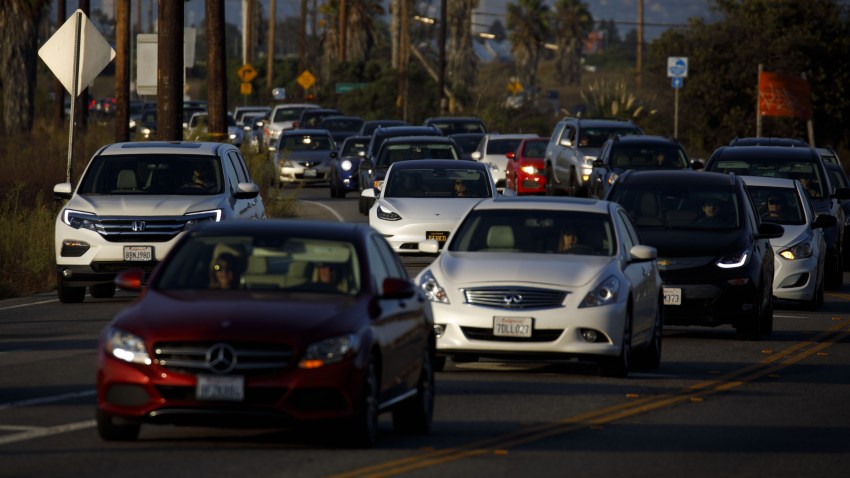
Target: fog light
[
  {"x": 439, "y": 330},
  {"x": 66, "y": 273},
  {"x": 589, "y": 335},
  {"x": 585, "y": 177}
]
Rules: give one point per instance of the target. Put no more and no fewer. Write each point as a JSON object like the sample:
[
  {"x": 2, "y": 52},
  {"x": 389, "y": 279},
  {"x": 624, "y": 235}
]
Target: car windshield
[
  {"x": 457, "y": 127},
  {"x": 351, "y": 124},
  {"x": 647, "y": 157},
  {"x": 502, "y": 146},
  {"x": 467, "y": 144},
  {"x": 271, "y": 263},
  {"x": 287, "y": 114},
  {"x": 437, "y": 183},
  {"x": 534, "y": 149},
  {"x": 394, "y": 153},
  {"x": 305, "y": 142},
  {"x": 153, "y": 174},
  {"x": 355, "y": 147},
  {"x": 777, "y": 205},
  {"x": 675, "y": 206},
  {"x": 535, "y": 232},
  {"x": 595, "y": 137},
  {"x": 807, "y": 172}
]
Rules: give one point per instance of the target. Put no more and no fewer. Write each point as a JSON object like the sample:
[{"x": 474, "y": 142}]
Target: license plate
[
  {"x": 309, "y": 173},
  {"x": 138, "y": 253},
  {"x": 224, "y": 388},
  {"x": 439, "y": 236},
  {"x": 512, "y": 326},
  {"x": 672, "y": 296}
]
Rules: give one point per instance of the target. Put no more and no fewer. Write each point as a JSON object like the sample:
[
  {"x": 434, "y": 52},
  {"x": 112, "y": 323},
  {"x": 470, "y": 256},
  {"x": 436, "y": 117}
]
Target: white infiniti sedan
[
  {"x": 425, "y": 199},
  {"x": 546, "y": 278}
]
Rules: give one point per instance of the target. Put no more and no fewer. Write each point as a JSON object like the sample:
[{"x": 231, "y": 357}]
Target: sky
[{"x": 659, "y": 15}]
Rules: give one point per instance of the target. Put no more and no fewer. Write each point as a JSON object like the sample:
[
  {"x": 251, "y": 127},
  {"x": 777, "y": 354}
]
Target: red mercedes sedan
[
  {"x": 270, "y": 323},
  {"x": 524, "y": 173}
]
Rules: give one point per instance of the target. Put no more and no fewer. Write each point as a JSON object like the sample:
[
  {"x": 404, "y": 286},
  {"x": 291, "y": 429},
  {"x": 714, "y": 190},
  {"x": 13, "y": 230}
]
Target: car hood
[
  {"x": 430, "y": 207},
  {"x": 693, "y": 242},
  {"x": 481, "y": 268},
  {"x": 499, "y": 160},
  {"x": 793, "y": 235},
  {"x": 136, "y": 205},
  {"x": 234, "y": 315}
]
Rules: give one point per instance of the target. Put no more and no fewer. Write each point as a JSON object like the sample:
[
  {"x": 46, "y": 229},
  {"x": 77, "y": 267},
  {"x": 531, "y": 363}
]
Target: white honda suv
[{"x": 133, "y": 203}]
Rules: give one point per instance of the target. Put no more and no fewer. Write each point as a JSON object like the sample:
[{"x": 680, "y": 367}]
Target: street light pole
[{"x": 442, "y": 82}]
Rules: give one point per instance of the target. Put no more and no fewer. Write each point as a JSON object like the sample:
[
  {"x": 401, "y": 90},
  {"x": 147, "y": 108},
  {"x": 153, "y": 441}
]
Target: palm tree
[
  {"x": 461, "y": 61},
  {"x": 528, "y": 24},
  {"x": 19, "y": 21},
  {"x": 573, "y": 22},
  {"x": 359, "y": 29}
]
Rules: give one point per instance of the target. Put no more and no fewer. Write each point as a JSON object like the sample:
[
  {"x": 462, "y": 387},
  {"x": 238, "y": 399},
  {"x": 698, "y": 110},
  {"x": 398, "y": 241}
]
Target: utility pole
[
  {"x": 122, "y": 70},
  {"x": 639, "y": 42},
  {"x": 302, "y": 38},
  {"x": 247, "y": 32},
  {"x": 404, "y": 59},
  {"x": 85, "y": 6},
  {"x": 169, "y": 92},
  {"x": 58, "y": 89},
  {"x": 343, "y": 28},
  {"x": 217, "y": 74},
  {"x": 441, "y": 86},
  {"x": 270, "y": 58}
]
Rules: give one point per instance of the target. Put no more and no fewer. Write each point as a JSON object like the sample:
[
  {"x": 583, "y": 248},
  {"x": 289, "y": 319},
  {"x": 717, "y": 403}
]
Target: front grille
[
  {"x": 142, "y": 229},
  {"x": 515, "y": 297},
  {"x": 542, "y": 335},
  {"x": 250, "y": 358}
]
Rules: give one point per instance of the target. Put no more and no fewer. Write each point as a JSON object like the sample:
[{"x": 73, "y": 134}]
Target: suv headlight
[
  {"x": 732, "y": 261},
  {"x": 603, "y": 294},
  {"x": 213, "y": 215},
  {"x": 386, "y": 214},
  {"x": 80, "y": 219},
  {"x": 126, "y": 346},
  {"x": 801, "y": 250},
  {"x": 345, "y": 165},
  {"x": 433, "y": 290},
  {"x": 328, "y": 351}
]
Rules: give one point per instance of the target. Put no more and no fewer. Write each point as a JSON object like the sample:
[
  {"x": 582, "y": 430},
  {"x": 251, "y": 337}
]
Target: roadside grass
[{"x": 31, "y": 164}]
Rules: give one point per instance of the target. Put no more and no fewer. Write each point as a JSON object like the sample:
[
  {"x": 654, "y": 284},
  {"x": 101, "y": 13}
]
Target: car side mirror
[
  {"x": 63, "y": 191},
  {"x": 824, "y": 221},
  {"x": 476, "y": 155},
  {"x": 510, "y": 155},
  {"x": 368, "y": 193},
  {"x": 769, "y": 230},
  {"x": 697, "y": 164},
  {"x": 598, "y": 163},
  {"x": 640, "y": 253},
  {"x": 429, "y": 246},
  {"x": 396, "y": 288},
  {"x": 246, "y": 191},
  {"x": 566, "y": 142},
  {"x": 334, "y": 154},
  {"x": 841, "y": 193}
]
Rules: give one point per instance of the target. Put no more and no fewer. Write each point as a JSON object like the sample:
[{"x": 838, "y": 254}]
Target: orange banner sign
[{"x": 784, "y": 95}]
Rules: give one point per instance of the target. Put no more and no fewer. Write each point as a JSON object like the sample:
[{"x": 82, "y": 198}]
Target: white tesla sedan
[
  {"x": 425, "y": 199},
  {"x": 799, "y": 255},
  {"x": 546, "y": 278}
]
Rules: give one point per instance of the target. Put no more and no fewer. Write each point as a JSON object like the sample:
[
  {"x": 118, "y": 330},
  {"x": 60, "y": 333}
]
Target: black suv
[
  {"x": 714, "y": 254},
  {"x": 457, "y": 124},
  {"x": 794, "y": 162},
  {"x": 621, "y": 153}
]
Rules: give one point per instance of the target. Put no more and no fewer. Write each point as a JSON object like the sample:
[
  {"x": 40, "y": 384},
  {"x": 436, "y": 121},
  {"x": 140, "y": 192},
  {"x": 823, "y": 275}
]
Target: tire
[
  {"x": 766, "y": 319},
  {"x": 109, "y": 431},
  {"x": 649, "y": 357},
  {"x": 362, "y": 428},
  {"x": 439, "y": 363},
  {"x": 415, "y": 414},
  {"x": 551, "y": 189},
  {"x": 835, "y": 274},
  {"x": 103, "y": 291},
  {"x": 817, "y": 297},
  {"x": 68, "y": 294},
  {"x": 750, "y": 327},
  {"x": 619, "y": 366}
]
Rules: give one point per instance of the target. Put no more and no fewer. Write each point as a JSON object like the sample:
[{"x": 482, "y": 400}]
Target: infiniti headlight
[
  {"x": 603, "y": 294},
  {"x": 329, "y": 351},
  {"x": 435, "y": 293},
  {"x": 126, "y": 346}
]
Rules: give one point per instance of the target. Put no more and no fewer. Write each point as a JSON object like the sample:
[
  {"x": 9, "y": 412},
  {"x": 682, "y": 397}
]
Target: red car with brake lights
[{"x": 525, "y": 173}]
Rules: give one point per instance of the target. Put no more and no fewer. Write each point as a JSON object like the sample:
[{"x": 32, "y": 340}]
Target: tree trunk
[
  {"x": 122, "y": 70},
  {"x": 169, "y": 101},
  {"x": 217, "y": 70},
  {"x": 19, "y": 21}
]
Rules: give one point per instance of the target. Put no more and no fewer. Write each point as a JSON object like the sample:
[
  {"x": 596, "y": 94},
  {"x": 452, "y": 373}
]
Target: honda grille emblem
[
  {"x": 512, "y": 299},
  {"x": 221, "y": 358},
  {"x": 138, "y": 226}
]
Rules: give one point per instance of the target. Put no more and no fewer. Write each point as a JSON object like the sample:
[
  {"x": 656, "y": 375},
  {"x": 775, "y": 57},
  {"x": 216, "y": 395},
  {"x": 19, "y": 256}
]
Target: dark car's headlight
[
  {"x": 433, "y": 290},
  {"x": 732, "y": 261},
  {"x": 328, "y": 351},
  {"x": 345, "y": 165},
  {"x": 800, "y": 250},
  {"x": 80, "y": 219},
  {"x": 386, "y": 214},
  {"x": 126, "y": 346},
  {"x": 603, "y": 294}
]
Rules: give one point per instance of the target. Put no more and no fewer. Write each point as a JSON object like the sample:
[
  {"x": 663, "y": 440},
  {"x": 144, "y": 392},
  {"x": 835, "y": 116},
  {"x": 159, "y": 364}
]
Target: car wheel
[
  {"x": 103, "y": 291},
  {"x": 835, "y": 279},
  {"x": 766, "y": 320},
  {"x": 817, "y": 297},
  {"x": 749, "y": 328},
  {"x": 619, "y": 366},
  {"x": 439, "y": 363},
  {"x": 551, "y": 189},
  {"x": 110, "y": 431},
  {"x": 363, "y": 427},
  {"x": 68, "y": 294},
  {"x": 415, "y": 414},
  {"x": 650, "y": 356}
]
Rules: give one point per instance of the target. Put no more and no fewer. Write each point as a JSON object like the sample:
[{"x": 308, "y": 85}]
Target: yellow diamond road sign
[
  {"x": 514, "y": 87},
  {"x": 246, "y": 73},
  {"x": 306, "y": 79}
]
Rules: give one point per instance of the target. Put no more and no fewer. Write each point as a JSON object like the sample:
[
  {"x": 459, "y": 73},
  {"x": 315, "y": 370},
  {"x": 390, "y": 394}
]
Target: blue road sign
[{"x": 677, "y": 82}]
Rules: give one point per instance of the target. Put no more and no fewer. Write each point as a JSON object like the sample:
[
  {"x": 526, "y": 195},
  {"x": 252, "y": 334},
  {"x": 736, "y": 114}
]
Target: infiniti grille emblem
[
  {"x": 512, "y": 299},
  {"x": 221, "y": 358},
  {"x": 138, "y": 226}
]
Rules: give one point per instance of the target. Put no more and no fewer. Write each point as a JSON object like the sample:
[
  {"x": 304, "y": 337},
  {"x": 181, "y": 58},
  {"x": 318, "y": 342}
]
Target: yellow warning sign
[
  {"x": 306, "y": 79},
  {"x": 246, "y": 73},
  {"x": 246, "y": 89}
]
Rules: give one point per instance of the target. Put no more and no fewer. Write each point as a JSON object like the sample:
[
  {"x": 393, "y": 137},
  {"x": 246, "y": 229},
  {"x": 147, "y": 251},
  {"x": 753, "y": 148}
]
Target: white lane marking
[
  {"x": 785, "y": 316},
  {"x": 41, "y": 400},
  {"x": 17, "y": 428},
  {"x": 47, "y": 431},
  {"x": 337, "y": 215},
  {"x": 27, "y": 305}
]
